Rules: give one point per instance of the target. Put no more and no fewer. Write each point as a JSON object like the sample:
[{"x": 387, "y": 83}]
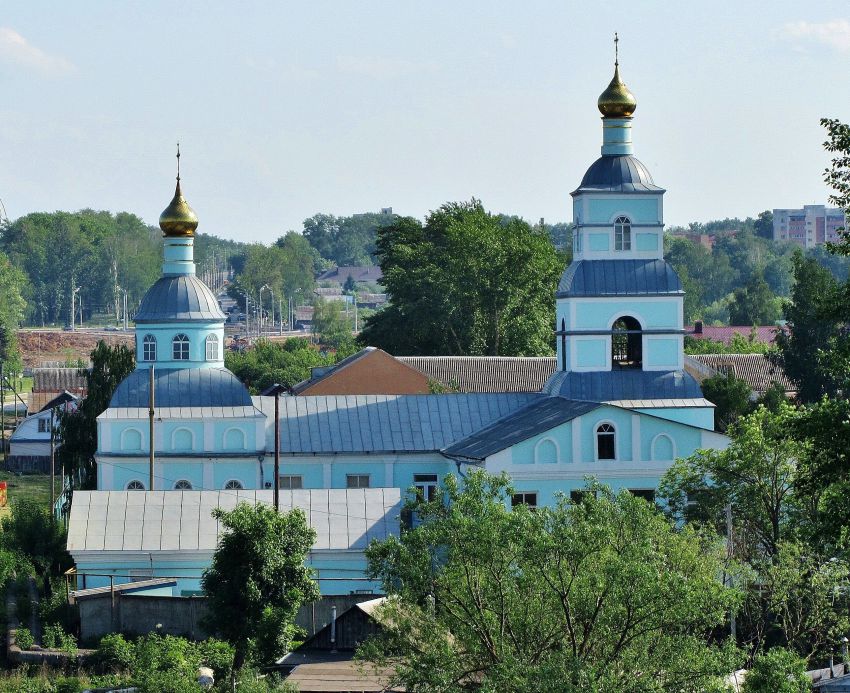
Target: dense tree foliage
[
  {"x": 754, "y": 303},
  {"x": 96, "y": 251},
  {"x": 13, "y": 284},
  {"x": 267, "y": 363},
  {"x": 346, "y": 240},
  {"x": 596, "y": 596},
  {"x": 465, "y": 282},
  {"x": 78, "y": 429},
  {"x": 257, "y": 580}
]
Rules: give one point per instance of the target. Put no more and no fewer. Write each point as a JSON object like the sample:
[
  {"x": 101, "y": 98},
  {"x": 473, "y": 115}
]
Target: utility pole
[
  {"x": 275, "y": 390},
  {"x": 280, "y": 314},
  {"x": 150, "y": 427},
  {"x": 729, "y": 549},
  {"x": 73, "y": 306}
]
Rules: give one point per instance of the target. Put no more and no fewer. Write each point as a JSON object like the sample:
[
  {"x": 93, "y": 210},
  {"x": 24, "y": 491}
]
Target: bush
[
  {"x": 218, "y": 655},
  {"x": 52, "y": 636},
  {"x": 56, "y": 609},
  {"x": 777, "y": 671},
  {"x": 114, "y": 653},
  {"x": 24, "y": 639}
]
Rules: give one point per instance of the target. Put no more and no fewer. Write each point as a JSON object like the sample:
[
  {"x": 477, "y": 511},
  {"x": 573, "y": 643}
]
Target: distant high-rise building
[{"x": 808, "y": 227}]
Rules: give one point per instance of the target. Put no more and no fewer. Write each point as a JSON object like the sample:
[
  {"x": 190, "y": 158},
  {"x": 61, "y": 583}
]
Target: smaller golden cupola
[
  {"x": 616, "y": 101},
  {"x": 178, "y": 219}
]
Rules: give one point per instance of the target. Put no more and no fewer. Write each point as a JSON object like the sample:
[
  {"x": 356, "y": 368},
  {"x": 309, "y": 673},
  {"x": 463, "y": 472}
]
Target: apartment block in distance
[{"x": 807, "y": 227}]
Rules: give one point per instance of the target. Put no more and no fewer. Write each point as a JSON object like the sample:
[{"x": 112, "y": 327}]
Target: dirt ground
[{"x": 55, "y": 347}]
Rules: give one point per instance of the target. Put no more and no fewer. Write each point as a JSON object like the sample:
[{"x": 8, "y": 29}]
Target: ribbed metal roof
[
  {"x": 538, "y": 417},
  {"x": 182, "y": 387},
  {"x": 486, "y": 373},
  {"x": 617, "y": 174},
  {"x": 619, "y": 278},
  {"x": 179, "y": 298},
  {"x": 182, "y": 520},
  {"x": 608, "y": 386},
  {"x": 315, "y": 424}
]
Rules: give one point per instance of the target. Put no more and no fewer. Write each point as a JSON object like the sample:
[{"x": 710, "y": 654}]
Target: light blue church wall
[
  {"x": 598, "y": 242},
  {"x": 603, "y": 210},
  {"x": 702, "y": 417},
  {"x": 662, "y": 351},
  {"x": 646, "y": 241},
  {"x": 591, "y": 353},
  {"x": 652, "y": 314}
]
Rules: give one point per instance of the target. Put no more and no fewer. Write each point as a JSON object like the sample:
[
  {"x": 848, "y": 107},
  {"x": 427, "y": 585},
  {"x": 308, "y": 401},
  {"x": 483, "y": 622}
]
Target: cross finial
[
  {"x": 616, "y": 50},
  {"x": 178, "y": 162}
]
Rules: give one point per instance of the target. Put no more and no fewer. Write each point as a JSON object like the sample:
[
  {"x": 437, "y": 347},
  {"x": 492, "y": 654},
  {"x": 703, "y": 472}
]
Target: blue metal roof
[
  {"x": 178, "y": 298},
  {"x": 538, "y": 417},
  {"x": 182, "y": 387},
  {"x": 619, "y": 278},
  {"x": 315, "y": 424},
  {"x": 610, "y": 386},
  {"x": 617, "y": 174}
]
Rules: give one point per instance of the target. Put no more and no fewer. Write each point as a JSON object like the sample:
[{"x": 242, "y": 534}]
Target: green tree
[
  {"x": 331, "y": 325},
  {"x": 31, "y": 534},
  {"x": 597, "y": 596},
  {"x": 267, "y": 363},
  {"x": 778, "y": 671},
  {"x": 78, "y": 429},
  {"x": 466, "y": 282},
  {"x": 837, "y": 175},
  {"x": 730, "y": 396},
  {"x": 754, "y": 304},
  {"x": 763, "y": 226},
  {"x": 257, "y": 580},
  {"x": 810, "y": 329},
  {"x": 12, "y": 305}
]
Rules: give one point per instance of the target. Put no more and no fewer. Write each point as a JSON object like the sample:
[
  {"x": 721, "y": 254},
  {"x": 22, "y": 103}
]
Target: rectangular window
[
  {"x": 43, "y": 425},
  {"x": 528, "y": 498},
  {"x": 577, "y": 495},
  {"x": 426, "y": 486},
  {"x": 648, "y": 494},
  {"x": 289, "y": 482},
  {"x": 357, "y": 481}
]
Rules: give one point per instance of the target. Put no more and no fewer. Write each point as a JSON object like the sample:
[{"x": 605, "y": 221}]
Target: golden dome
[
  {"x": 178, "y": 219},
  {"x": 617, "y": 101}
]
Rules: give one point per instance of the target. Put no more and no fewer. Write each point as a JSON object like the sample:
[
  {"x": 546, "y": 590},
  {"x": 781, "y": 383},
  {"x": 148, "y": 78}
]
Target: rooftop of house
[
  {"x": 756, "y": 369},
  {"x": 364, "y": 273},
  {"x": 763, "y": 333}
]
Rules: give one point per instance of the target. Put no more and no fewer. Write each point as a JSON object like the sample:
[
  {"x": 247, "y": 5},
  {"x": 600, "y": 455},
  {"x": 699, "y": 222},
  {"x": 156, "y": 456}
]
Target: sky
[{"x": 284, "y": 109}]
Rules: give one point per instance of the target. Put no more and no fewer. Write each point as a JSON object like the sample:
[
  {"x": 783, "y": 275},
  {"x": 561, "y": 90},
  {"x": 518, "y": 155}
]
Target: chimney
[{"x": 698, "y": 327}]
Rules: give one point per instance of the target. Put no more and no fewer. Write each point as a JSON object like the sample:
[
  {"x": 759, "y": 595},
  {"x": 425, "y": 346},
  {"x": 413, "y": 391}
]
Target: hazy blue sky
[{"x": 288, "y": 109}]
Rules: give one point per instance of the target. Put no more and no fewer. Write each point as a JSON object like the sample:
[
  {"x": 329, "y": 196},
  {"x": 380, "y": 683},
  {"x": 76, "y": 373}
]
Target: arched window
[
  {"x": 182, "y": 439},
  {"x": 180, "y": 348},
  {"x": 626, "y": 343},
  {"x": 546, "y": 452},
  {"x": 622, "y": 233},
  {"x": 606, "y": 448},
  {"x": 212, "y": 348},
  {"x": 234, "y": 485},
  {"x": 135, "y": 485},
  {"x": 131, "y": 440},
  {"x": 234, "y": 439},
  {"x": 663, "y": 448},
  {"x": 183, "y": 485},
  {"x": 149, "y": 348}
]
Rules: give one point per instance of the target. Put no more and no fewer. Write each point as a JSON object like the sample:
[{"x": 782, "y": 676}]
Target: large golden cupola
[
  {"x": 617, "y": 101},
  {"x": 178, "y": 219}
]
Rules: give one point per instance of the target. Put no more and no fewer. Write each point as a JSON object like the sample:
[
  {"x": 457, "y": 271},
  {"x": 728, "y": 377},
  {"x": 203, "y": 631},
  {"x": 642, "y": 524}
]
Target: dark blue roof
[
  {"x": 617, "y": 174},
  {"x": 538, "y": 417},
  {"x": 608, "y": 386},
  {"x": 619, "y": 278},
  {"x": 182, "y": 387},
  {"x": 178, "y": 298}
]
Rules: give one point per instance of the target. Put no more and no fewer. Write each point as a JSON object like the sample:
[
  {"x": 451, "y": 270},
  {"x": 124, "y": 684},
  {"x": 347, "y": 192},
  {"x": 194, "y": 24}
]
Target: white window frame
[
  {"x": 183, "y": 485},
  {"x": 426, "y": 486},
  {"x": 180, "y": 347},
  {"x": 289, "y": 486},
  {"x": 212, "y": 350},
  {"x": 349, "y": 478},
  {"x": 149, "y": 348},
  {"x": 597, "y": 433},
  {"x": 233, "y": 485},
  {"x": 622, "y": 233},
  {"x": 136, "y": 484}
]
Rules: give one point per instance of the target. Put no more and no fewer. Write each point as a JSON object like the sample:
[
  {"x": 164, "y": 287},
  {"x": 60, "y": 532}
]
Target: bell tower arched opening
[{"x": 626, "y": 347}]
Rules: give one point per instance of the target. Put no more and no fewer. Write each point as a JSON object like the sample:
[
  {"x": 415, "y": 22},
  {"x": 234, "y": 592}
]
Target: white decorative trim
[
  {"x": 537, "y": 450},
  {"x": 244, "y": 444},
  {"x": 230, "y": 481},
  {"x": 655, "y": 440},
  {"x": 209, "y": 436},
  {"x": 576, "y": 440},
  {"x": 389, "y": 469},
  {"x": 327, "y": 474},
  {"x": 209, "y": 476},
  {"x": 124, "y": 433},
  {"x": 635, "y": 437},
  {"x": 174, "y": 435}
]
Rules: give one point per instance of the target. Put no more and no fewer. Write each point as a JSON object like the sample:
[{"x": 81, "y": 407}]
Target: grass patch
[{"x": 35, "y": 487}]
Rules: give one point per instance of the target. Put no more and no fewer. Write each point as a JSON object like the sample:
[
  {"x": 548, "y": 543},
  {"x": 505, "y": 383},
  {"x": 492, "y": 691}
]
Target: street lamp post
[
  {"x": 269, "y": 289},
  {"x": 124, "y": 292},
  {"x": 73, "y": 306}
]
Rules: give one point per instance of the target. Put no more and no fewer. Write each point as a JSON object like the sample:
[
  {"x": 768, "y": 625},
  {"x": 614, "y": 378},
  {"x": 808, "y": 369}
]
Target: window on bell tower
[
  {"x": 212, "y": 348},
  {"x": 180, "y": 348},
  {"x": 626, "y": 343},
  {"x": 149, "y": 348},
  {"x": 622, "y": 233}
]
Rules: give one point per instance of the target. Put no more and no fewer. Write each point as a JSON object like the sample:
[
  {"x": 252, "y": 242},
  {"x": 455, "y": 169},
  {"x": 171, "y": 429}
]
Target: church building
[{"x": 619, "y": 408}]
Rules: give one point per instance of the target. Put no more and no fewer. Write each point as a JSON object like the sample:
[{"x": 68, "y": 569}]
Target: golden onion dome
[
  {"x": 617, "y": 101},
  {"x": 178, "y": 219}
]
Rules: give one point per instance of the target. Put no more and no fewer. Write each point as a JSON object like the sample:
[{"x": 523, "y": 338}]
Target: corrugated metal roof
[
  {"x": 182, "y": 521},
  {"x": 178, "y": 298},
  {"x": 608, "y": 386},
  {"x": 182, "y": 387},
  {"x": 619, "y": 278},
  {"x": 617, "y": 174},
  {"x": 538, "y": 417},
  {"x": 314, "y": 424},
  {"x": 486, "y": 373},
  {"x": 756, "y": 369},
  {"x": 59, "y": 379},
  {"x": 181, "y": 412}
]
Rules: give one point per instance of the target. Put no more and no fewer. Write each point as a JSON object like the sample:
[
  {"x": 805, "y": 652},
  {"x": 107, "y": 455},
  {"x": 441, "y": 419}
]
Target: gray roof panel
[
  {"x": 617, "y": 174},
  {"x": 178, "y": 298},
  {"x": 538, "y": 417},
  {"x": 619, "y": 278},
  {"x": 183, "y": 387},
  {"x": 608, "y": 386}
]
